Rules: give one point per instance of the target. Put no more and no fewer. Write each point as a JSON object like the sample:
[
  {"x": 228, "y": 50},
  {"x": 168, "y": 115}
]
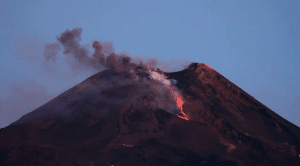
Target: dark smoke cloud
[
  {"x": 98, "y": 52},
  {"x": 70, "y": 40},
  {"x": 103, "y": 56},
  {"x": 51, "y": 51}
]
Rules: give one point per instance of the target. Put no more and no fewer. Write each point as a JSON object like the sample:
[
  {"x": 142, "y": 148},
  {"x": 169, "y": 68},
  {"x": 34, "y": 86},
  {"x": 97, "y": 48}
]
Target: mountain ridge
[{"x": 223, "y": 125}]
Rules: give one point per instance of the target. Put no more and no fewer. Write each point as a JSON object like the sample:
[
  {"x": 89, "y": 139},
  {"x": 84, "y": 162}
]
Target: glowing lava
[
  {"x": 180, "y": 103},
  {"x": 178, "y": 98}
]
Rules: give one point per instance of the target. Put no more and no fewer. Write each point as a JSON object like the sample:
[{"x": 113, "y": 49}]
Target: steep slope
[
  {"x": 252, "y": 132},
  {"x": 105, "y": 121}
]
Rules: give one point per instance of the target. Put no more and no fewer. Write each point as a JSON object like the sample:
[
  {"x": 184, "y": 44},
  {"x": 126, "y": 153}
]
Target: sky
[{"x": 255, "y": 44}]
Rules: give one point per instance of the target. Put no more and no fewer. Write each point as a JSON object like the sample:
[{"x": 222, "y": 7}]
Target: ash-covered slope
[{"x": 135, "y": 118}]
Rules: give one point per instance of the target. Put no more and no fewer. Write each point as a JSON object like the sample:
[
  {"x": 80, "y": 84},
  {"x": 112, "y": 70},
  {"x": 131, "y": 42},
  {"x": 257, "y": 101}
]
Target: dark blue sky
[{"x": 255, "y": 44}]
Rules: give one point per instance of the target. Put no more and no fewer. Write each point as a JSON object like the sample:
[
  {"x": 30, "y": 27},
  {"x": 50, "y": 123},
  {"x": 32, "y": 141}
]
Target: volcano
[{"x": 131, "y": 118}]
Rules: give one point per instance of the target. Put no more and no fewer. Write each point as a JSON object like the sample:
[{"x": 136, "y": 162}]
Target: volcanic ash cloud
[{"x": 147, "y": 87}]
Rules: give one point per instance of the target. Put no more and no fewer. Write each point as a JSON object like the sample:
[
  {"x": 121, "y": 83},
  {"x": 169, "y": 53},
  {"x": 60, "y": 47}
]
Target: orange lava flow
[
  {"x": 180, "y": 102},
  {"x": 177, "y": 96}
]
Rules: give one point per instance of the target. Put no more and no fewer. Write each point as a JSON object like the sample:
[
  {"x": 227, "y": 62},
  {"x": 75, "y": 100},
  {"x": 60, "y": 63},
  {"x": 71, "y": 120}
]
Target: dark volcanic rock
[{"x": 227, "y": 126}]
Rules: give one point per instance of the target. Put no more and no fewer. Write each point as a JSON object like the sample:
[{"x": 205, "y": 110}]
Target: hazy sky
[{"x": 255, "y": 44}]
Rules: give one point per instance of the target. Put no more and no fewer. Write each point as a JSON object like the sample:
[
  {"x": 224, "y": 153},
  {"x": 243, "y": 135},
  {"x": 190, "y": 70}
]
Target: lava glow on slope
[
  {"x": 176, "y": 95},
  {"x": 179, "y": 101}
]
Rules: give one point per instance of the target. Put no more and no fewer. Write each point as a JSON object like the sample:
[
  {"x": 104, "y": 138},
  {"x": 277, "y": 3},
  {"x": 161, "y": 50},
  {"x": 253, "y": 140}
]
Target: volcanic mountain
[{"x": 149, "y": 117}]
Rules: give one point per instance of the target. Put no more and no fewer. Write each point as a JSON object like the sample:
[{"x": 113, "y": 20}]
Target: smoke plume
[
  {"x": 51, "y": 51},
  {"x": 60, "y": 65},
  {"x": 148, "y": 86}
]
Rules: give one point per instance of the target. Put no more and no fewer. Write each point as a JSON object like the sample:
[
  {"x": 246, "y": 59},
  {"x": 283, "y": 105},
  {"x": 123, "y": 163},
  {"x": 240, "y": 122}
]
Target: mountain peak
[
  {"x": 143, "y": 116},
  {"x": 194, "y": 65}
]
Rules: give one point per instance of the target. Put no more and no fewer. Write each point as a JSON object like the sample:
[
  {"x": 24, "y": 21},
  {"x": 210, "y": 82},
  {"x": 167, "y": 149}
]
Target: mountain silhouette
[{"x": 138, "y": 117}]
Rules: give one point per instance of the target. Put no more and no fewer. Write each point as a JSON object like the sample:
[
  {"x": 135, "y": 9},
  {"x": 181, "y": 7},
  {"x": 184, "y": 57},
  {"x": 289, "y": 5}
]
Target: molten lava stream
[
  {"x": 176, "y": 96},
  {"x": 179, "y": 102}
]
